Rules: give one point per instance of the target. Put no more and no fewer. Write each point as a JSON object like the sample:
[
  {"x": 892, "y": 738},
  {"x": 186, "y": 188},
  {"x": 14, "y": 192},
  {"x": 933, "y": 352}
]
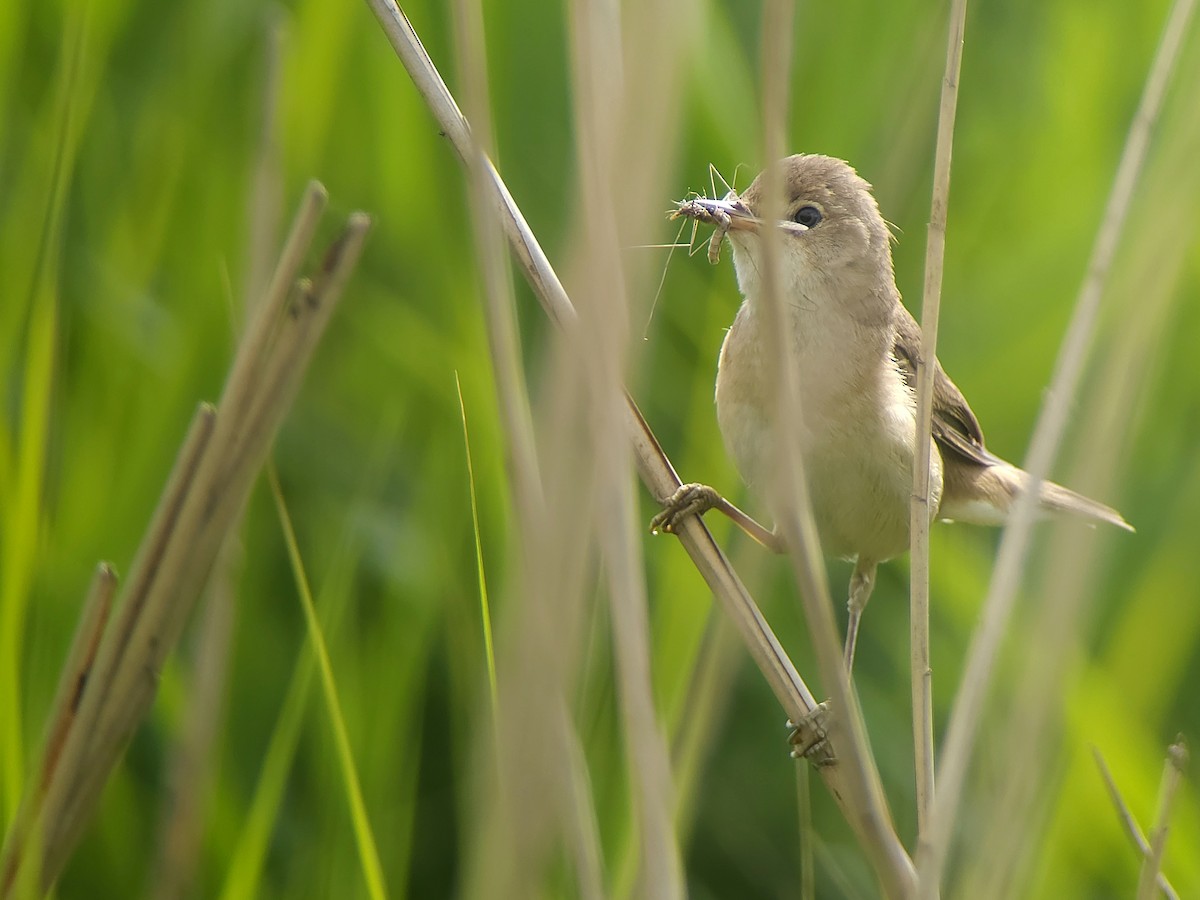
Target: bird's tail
[
  {"x": 1056, "y": 498},
  {"x": 984, "y": 495}
]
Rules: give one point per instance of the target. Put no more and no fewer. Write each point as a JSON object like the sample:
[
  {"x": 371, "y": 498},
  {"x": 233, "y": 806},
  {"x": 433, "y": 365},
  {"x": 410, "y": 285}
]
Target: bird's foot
[
  {"x": 688, "y": 500},
  {"x": 810, "y": 737}
]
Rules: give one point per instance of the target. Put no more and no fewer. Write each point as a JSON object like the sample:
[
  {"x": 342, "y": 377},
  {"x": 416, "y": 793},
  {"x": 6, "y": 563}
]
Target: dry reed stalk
[
  {"x": 607, "y": 115},
  {"x": 222, "y": 454},
  {"x": 1172, "y": 777},
  {"x": 849, "y": 784},
  {"x": 1129, "y": 824},
  {"x": 920, "y": 669},
  {"x": 795, "y": 518},
  {"x": 528, "y": 799},
  {"x": 583, "y": 827},
  {"x": 1015, "y": 543},
  {"x": 23, "y": 838},
  {"x": 1111, "y": 419},
  {"x": 63, "y": 759},
  {"x": 184, "y": 803},
  {"x": 80, "y": 658}
]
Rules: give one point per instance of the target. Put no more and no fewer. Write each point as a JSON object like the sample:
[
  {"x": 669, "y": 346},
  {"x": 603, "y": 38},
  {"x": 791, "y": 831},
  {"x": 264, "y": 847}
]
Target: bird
[{"x": 856, "y": 349}]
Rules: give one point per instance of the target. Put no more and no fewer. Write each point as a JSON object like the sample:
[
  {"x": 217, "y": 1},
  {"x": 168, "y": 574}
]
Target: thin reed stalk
[
  {"x": 795, "y": 517},
  {"x": 1172, "y": 777},
  {"x": 1014, "y": 546},
  {"x": 921, "y": 671},
  {"x": 1064, "y": 594},
  {"x": 1129, "y": 824}
]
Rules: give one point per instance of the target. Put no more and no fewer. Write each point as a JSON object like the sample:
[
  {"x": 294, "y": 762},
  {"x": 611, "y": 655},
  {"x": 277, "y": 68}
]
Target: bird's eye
[{"x": 808, "y": 216}]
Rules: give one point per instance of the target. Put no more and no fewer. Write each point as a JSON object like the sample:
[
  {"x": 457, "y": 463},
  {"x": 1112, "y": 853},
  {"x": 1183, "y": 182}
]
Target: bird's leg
[
  {"x": 697, "y": 499},
  {"x": 862, "y": 582}
]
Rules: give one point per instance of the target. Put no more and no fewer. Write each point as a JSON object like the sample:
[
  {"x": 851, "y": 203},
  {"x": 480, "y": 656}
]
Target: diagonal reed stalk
[
  {"x": 223, "y": 452},
  {"x": 1172, "y": 777},
  {"x": 1063, "y": 596},
  {"x": 1129, "y": 823},
  {"x": 851, "y": 786},
  {"x": 1015, "y": 544}
]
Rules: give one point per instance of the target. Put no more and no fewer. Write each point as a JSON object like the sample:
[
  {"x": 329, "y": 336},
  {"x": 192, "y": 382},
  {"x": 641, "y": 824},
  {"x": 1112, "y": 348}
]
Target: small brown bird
[{"x": 855, "y": 347}]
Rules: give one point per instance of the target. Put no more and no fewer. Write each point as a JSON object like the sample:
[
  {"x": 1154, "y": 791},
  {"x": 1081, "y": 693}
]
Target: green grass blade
[
  {"x": 485, "y": 612},
  {"x": 23, "y": 513},
  {"x": 368, "y": 853}
]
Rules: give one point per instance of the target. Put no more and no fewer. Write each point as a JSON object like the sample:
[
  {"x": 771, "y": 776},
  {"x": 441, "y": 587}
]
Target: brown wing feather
[
  {"x": 980, "y": 481},
  {"x": 955, "y": 427}
]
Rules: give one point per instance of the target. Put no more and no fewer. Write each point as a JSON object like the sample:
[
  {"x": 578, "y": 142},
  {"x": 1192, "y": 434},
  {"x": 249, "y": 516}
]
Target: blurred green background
[{"x": 130, "y": 139}]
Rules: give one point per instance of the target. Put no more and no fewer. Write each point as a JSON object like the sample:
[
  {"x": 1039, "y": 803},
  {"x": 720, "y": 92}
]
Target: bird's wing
[{"x": 955, "y": 427}]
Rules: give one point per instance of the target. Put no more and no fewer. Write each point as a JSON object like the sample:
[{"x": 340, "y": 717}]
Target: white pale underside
[{"x": 973, "y": 512}]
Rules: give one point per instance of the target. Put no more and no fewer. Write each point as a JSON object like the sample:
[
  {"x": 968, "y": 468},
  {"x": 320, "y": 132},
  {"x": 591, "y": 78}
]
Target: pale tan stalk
[
  {"x": 63, "y": 717},
  {"x": 583, "y": 829},
  {"x": 223, "y": 452},
  {"x": 795, "y": 518},
  {"x": 1172, "y": 778},
  {"x": 1129, "y": 824},
  {"x": 529, "y": 801},
  {"x": 607, "y": 116},
  {"x": 1063, "y": 596},
  {"x": 921, "y": 670},
  {"x": 192, "y": 759},
  {"x": 1014, "y": 546}
]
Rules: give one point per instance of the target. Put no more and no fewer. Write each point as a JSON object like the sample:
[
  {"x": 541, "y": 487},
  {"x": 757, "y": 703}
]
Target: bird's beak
[{"x": 731, "y": 214}]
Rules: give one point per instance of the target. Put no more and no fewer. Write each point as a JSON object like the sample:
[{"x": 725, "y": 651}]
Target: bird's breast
[{"x": 854, "y": 427}]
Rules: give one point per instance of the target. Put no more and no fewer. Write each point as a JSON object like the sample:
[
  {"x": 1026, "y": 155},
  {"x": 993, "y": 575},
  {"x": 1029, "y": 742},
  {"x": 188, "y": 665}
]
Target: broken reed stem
[
  {"x": 224, "y": 450},
  {"x": 1173, "y": 769},
  {"x": 921, "y": 671},
  {"x": 1129, "y": 823},
  {"x": 845, "y": 783},
  {"x": 45, "y": 812},
  {"x": 1014, "y": 545},
  {"x": 80, "y": 659},
  {"x": 63, "y": 713}
]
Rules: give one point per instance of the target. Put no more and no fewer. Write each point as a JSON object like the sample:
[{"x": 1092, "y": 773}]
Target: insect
[
  {"x": 708, "y": 212},
  {"x": 701, "y": 210}
]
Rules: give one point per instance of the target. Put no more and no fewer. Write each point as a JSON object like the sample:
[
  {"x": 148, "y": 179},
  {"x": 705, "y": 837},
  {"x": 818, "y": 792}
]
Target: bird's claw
[
  {"x": 688, "y": 500},
  {"x": 810, "y": 737}
]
